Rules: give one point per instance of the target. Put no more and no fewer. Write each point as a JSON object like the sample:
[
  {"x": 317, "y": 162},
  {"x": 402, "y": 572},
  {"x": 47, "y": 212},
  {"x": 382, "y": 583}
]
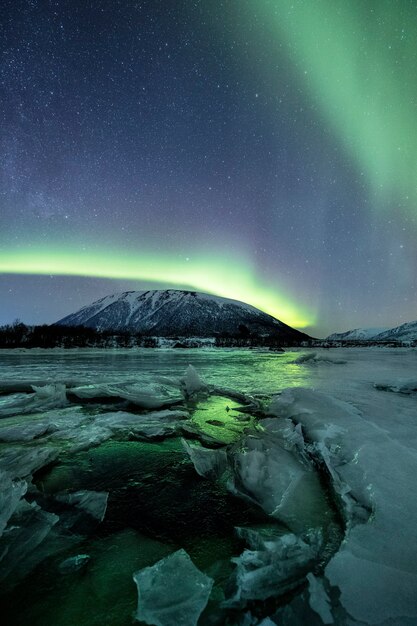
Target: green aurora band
[
  {"x": 357, "y": 59},
  {"x": 218, "y": 277}
]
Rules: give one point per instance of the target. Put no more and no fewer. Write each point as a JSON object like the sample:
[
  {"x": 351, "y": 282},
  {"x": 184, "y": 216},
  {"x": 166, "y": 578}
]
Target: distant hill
[
  {"x": 175, "y": 312},
  {"x": 404, "y": 332},
  {"x": 357, "y": 334}
]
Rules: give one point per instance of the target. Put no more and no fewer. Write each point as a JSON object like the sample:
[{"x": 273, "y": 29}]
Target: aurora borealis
[{"x": 260, "y": 150}]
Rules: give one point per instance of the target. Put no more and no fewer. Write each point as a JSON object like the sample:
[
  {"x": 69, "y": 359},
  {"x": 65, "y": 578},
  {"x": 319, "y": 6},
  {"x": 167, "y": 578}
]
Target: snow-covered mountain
[
  {"x": 405, "y": 332},
  {"x": 357, "y": 334},
  {"x": 175, "y": 312}
]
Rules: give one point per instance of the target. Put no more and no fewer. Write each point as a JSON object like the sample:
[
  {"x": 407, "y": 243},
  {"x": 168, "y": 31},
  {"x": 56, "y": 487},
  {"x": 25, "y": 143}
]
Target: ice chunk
[
  {"x": 325, "y": 421},
  {"x": 406, "y": 386},
  {"x": 305, "y": 358},
  {"x": 150, "y": 425},
  {"x": 74, "y": 563},
  {"x": 173, "y": 592},
  {"x": 191, "y": 382},
  {"x": 83, "y": 437},
  {"x": 312, "y": 358},
  {"x": 276, "y": 567},
  {"x": 145, "y": 426},
  {"x": 45, "y": 398},
  {"x": 92, "y": 502},
  {"x": 319, "y": 600},
  {"x": 27, "y": 386},
  {"x": 269, "y": 471},
  {"x": 21, "y": 461},
  {"x": 18, "y": 545},
  {"x": 24, "y": 432},
  {"x": 11, "y": 491},
  {"x": 207, "y": 462},
  {"x": 147, "y": 396}
]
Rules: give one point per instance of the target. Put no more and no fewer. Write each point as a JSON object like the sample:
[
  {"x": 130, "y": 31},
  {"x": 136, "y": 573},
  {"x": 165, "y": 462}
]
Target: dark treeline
[{"x": 19, "y": 335}]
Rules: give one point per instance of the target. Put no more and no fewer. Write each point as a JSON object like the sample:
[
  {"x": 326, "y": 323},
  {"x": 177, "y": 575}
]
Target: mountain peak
[{"x": 179, "y": 312}]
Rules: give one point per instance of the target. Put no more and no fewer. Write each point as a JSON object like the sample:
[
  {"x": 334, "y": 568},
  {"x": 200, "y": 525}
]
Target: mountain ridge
[
  {"x": 177, "y": 312},
  {"x": 403, "y": 332}
]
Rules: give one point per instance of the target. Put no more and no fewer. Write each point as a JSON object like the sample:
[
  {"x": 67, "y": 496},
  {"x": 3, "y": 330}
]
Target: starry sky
[{"x": 260, "y": 150}]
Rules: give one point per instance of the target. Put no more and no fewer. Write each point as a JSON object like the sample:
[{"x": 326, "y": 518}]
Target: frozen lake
[{"x": 121, "y": 458}]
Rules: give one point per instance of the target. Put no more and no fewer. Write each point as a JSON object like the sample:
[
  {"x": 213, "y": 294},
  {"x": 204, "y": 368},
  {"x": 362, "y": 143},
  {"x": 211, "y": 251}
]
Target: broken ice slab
[
  {"x": 152, "y": 425},
  {"x": 273, "y": 567},
  {"x": 23, "y": 461},
  {"x": 207, "y": 462},
  {"x": 192, "y": 383},
  {"x": 312, "y": 358},
  {"x": 318, "y": 599},
  {"x": 45, "y": 423},
  {"x": 173, "y": 592},
  {"x": 92, "y": 502},
  {"x": 43, "y": 399},
  {"x": 11, "y": 491},
  {"x": 270, "y": 471},
  {"x": 146, "y": 396},
  {"x": 24, "y": 432},
  {"x": 82, "y": 438},
  {"x": 29, "y": 528},
  {"x": 405, "y": 386}
]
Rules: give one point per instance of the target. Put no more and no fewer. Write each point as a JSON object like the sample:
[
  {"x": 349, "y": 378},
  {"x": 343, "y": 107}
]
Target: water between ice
[{"x": 283, "y": 476}]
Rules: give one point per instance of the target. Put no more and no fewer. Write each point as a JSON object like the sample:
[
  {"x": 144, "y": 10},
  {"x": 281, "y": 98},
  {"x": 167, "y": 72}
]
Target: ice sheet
[{"x": 375, "y": 567}]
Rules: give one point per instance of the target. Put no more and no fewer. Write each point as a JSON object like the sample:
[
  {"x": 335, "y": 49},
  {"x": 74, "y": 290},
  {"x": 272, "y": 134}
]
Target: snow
[
  {"x": 173, "y": 592},
  {"x": 404, "y": 332},
  {"x": 357, "y": 334},
  {"x": 174, "y": 312}
]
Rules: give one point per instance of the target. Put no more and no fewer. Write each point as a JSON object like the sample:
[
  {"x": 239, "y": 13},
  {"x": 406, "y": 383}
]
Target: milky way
[{"x": 264, "y": 150}]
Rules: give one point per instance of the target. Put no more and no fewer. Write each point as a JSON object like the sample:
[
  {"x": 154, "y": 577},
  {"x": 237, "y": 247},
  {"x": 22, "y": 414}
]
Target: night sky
[{"x": 261, "y": 150}]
